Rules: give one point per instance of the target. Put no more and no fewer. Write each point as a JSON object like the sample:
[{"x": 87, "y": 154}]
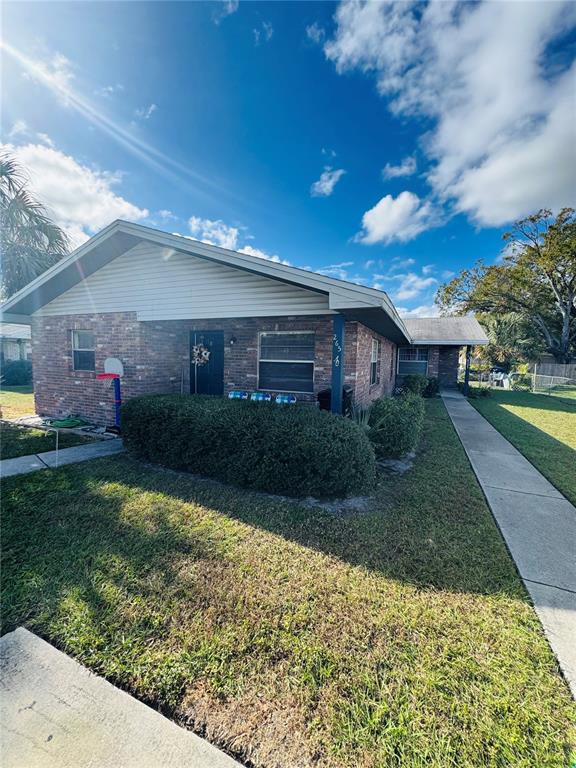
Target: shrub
[
  {"x": 293, "y": 450},
  {"x": 432, "y": 387},
  {"x": 396, "y": 424},
  {"x": 17, "y": 372},
  {"x": 414, "y": 382}
]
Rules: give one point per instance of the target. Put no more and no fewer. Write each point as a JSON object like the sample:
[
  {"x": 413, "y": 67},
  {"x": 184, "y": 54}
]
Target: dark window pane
[
  {"x": 83, "y": 340},
  {"x": 84, "y": 361},
  {"x": 374, "y": 373},
  {"x": 287, "y": 377},
  {"x": 287, "y": 346},
  {"x": 408, "y": 367}
]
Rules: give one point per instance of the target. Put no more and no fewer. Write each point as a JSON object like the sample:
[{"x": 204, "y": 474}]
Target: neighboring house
[
  {"x": 15, "y": 342},
  {"x": 158, "y": 302}
]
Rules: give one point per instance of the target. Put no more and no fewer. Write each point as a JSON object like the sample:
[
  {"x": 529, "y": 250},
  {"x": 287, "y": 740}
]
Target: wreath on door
[{"x": 200, "y": 354}]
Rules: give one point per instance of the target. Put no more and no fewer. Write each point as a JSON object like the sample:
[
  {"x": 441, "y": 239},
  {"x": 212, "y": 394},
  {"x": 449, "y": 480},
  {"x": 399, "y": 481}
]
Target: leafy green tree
[
  {"x": 536, "y": 281},
  {"x": 29, "y": 241},
  {"x": 511, "y": 340}
]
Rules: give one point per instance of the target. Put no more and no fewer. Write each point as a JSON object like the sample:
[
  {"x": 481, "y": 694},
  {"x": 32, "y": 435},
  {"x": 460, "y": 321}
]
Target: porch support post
[
  {"x": 337, "y": 363},
  {"x": 467, "y": 370}
]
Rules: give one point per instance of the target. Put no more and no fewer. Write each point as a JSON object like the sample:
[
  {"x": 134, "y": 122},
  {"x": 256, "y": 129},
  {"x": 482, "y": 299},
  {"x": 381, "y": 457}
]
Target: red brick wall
[
  {"x": 156, "y": 358},
  {"x": 364, "y": 393},
  {"x": 448, "y": 366}
]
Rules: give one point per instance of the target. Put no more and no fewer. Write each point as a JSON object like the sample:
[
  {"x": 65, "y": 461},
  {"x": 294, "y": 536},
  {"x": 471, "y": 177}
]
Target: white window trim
[
  {"x": 398, "y": 361},
  {"x": 376, "y": 344},
  {"x": 272, "y": 360},
  {"x": 83, "y": 349}
]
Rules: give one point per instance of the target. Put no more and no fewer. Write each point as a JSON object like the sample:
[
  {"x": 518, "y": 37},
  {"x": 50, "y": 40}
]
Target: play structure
[{"x": 114, "y": 370}]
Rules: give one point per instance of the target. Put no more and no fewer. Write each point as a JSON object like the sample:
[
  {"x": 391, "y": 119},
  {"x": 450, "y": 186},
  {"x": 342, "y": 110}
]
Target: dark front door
[{"x": 207, "y": 362}]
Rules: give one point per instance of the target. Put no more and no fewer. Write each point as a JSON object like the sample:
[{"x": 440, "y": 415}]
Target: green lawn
[
  {"x": 399, "y": 637},
  {"x": 23, "y": 441},
  {"x": 16, "y": 401},
  {"x": 543, "y": 428}
]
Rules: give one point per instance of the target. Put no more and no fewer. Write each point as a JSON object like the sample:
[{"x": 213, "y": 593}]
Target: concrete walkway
[
  {"x": 57, "y": 714},
  {"x": 536, "y": 521},
  {"x": 23, "y": 464}
]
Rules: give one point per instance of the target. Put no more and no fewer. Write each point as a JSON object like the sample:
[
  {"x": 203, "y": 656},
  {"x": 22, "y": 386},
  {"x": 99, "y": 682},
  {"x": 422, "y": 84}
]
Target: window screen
[
  {"x": 286, "y": 362},
  {"x": 83, "y": 353},
  {"x": 412, "y": 360}
]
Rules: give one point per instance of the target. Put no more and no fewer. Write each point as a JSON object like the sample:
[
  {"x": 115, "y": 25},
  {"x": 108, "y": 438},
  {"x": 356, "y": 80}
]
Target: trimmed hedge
[
  {"x": 17, "y": 372},
  {"x": 432, "y": 387},
  {"x": 395, "y": 424},
  {"x": 292, "y": 450},
  {"x": 414, "y": 382}
]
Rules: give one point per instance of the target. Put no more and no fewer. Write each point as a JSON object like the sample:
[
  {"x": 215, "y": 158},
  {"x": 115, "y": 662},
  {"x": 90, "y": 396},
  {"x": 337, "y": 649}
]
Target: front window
[
  {"x": 286, "y": 361},
  {"x": 375, "y": 363},
  {"x": 83, "y": 353},
  {"x": 412, "y": 360}
]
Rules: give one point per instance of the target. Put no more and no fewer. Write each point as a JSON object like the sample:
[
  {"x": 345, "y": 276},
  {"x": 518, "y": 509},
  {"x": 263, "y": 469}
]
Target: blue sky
[{"x": 387, "y": 143}]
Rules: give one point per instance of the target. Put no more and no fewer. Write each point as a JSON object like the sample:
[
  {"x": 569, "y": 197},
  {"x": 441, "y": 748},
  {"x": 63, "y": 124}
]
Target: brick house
[{"x": 157, "y": 301}]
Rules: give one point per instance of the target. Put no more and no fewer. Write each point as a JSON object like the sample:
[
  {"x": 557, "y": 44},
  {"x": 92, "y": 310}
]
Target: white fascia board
[
  {"x": 449, "y": 342},
  {"x": 61, "y": 265},
  {"x": 341, "y": 294}
]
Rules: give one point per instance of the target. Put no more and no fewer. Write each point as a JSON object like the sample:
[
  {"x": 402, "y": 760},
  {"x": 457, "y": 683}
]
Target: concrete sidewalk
[
  {"x": 24, "y": 464},
  {"x": 57, "y": 714},
  {"x": 537, "y": 522}
]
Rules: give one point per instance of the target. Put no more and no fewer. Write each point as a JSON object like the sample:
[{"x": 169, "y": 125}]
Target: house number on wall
[{"x": 337, "y": 349}]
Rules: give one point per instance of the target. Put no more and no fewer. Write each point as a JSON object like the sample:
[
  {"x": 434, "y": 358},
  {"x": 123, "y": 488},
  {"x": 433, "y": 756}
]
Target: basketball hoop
[{"x": 114, "y": 370}]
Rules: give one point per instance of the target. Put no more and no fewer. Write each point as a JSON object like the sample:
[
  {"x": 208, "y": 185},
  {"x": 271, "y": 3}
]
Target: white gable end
[{"x": 163, "y": 284}]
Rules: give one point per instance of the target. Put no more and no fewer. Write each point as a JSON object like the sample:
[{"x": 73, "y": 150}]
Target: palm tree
[{"x": 29, "y": 241}]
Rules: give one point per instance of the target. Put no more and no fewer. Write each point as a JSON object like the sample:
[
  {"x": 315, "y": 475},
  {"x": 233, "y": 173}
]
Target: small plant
[
  {"x": 396, "y": 424},
  {"x": 362, "y": 416},
  {"x": 414, "y": 382},
  {"x": 432, "y": 387}
]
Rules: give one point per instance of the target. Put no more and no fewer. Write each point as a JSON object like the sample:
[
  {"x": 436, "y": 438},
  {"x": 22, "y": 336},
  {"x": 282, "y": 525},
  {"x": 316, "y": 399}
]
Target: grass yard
[
  {"x": 543, "y": 428},
  {"x": 24, "y": 441},
  {"x": 16, "y": 401},
  {"x": 400, "y": 637}
]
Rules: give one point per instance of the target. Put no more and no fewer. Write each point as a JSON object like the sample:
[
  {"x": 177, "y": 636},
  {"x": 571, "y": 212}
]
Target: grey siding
[{"x": 164, "y": 284}]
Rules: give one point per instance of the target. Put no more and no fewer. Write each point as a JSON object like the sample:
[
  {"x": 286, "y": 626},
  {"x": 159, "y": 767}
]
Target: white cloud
[
  {"x": 109, "y": 90},
  {"x": 260, "y": 254},
  {"x": 315, "y": 32},
  {"x": 327, "y": 152},
  {"x": 217, "y": 232},
  {"x": 19, "y": 127},
  {"x": 412, "y": 285},
  {"x": 145, "y": 113},
  {"x": 166, "y": 215},
  {"x": 503, "y": 113},
  {"x": 263, "y": 33},
  {"x": 226, "y": 8},
  {"x": 45, "y": 139},
  {"x": 401, "y": 218},
  {"x": 79, "y": 199},
  {"x": 406, "y": 168},
  {"x": 338, "y": 271},
  {"x": 214, "y": 232},
  {"x": 424, "y": 310},
  {"x": 427, "y": 269},
  {"x": 55, "y": 71},
  {"x": 327, "y": 181}
]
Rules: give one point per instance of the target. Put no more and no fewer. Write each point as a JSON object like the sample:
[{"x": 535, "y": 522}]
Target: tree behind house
[
  {"x": 535, "y": 281},
  {"x": 29, "y": 241}
]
